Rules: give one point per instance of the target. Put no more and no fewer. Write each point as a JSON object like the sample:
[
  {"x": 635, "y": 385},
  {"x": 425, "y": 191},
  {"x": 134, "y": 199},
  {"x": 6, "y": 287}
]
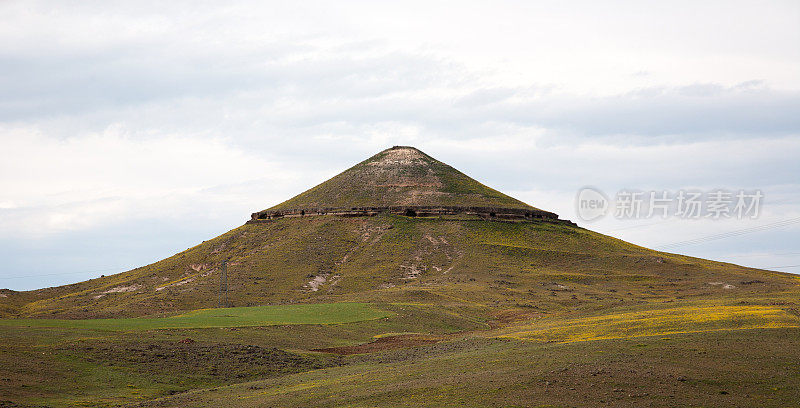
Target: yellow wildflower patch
[{"x": 655, "y": 323}]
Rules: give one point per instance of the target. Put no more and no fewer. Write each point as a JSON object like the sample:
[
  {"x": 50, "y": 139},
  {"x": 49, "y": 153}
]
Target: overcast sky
[{"x": 133, "y": 130}]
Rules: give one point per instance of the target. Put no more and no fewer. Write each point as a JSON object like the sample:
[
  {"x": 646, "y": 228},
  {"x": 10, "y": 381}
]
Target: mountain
[
  {"x": 401, "y": 226},
  {"x": 403, "y": 282}
]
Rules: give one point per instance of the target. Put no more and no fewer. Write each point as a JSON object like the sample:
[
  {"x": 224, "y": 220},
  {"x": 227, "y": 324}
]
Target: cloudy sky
[{"x": 133, "y": 130}]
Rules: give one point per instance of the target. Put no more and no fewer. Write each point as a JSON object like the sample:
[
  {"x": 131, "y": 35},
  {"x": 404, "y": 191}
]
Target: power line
[
  {"x": 734, "y": 233},
  {"x": 641, "y": 225},
  {"x": 762, "y": 255}
]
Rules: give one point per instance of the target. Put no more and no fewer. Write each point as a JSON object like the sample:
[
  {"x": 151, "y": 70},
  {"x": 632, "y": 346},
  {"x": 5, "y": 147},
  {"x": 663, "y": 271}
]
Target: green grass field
[
  {"x": 107, "y": 362},
  {"x": 320, "y": 313}
]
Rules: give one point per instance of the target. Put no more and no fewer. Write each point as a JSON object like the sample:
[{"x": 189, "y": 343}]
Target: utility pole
[{"x": 223, "y": 284}]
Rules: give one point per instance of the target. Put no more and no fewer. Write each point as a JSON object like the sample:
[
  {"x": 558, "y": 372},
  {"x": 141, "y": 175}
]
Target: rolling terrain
[{"x": 462, "y": 308}]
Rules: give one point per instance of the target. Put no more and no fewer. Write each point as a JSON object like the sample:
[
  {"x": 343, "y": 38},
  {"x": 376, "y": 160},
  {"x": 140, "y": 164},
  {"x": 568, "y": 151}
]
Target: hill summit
[
  {"x": 404, "y": 180},
  {"x": 400, "y": 176}
]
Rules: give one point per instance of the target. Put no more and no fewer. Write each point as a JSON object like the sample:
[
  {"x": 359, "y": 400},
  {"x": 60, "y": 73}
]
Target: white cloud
[{"x": 55, "y": 185}]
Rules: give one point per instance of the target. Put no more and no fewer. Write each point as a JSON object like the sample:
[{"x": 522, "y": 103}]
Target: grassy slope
[
  {"x": 426, "y": 181},
  {"x": 461, "y": 262}
]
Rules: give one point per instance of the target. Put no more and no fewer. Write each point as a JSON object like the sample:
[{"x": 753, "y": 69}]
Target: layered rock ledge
[{"x": 521, "y": 214}]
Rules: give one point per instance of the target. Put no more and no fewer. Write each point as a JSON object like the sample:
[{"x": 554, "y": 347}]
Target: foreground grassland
[
  {"x": 319, "y": 313},
  {"x": 76, "y": 365},
  {"x": 755, "y": 368},
  {"x": 705, "y": 352}
]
